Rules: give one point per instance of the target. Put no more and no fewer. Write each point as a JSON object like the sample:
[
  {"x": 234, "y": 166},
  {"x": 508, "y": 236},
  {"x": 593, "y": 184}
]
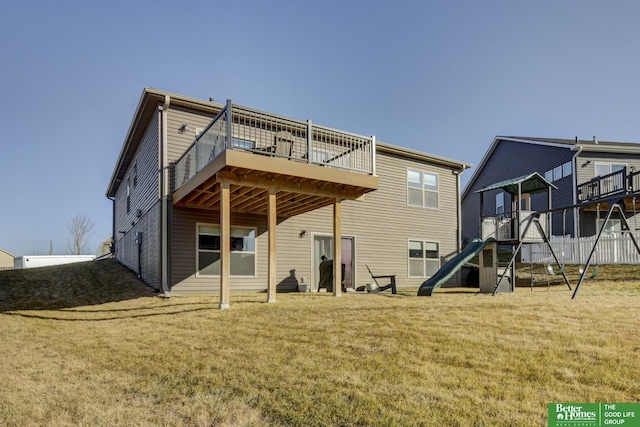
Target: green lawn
[{"x": 87, "y": 344}]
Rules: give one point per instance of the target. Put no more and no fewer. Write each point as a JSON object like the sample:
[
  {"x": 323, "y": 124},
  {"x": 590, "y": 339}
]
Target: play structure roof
[{"x": 533, "y": 183}]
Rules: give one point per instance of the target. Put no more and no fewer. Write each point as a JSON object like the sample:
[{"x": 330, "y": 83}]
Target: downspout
[
  {"x": 457, "y": 173},
  {"x": 164, "y": 194},
  {"x": 574, "y": 161},
  {"x": 112, "y": 249}
]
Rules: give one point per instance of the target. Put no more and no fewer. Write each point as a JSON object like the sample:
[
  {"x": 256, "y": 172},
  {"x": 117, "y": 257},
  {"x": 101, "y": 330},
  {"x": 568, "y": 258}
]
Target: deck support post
[
  {"x": 271, "y": 225},
  {"x": 337, "y": 247},
  {"x": 225, "y": 244}
]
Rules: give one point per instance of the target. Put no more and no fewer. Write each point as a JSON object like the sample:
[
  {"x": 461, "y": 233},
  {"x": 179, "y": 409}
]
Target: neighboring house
[
  {"x": 582, "y": 171},
  {"x": 6, "y": 260},
  {"x": 281, "y": 191}
]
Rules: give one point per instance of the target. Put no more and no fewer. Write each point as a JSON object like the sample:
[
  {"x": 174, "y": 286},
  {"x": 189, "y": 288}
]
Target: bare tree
[{"x": 80, "y": 227}]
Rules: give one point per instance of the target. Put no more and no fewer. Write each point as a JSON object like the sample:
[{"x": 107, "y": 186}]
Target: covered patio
[{"x": 251, "y": 162}]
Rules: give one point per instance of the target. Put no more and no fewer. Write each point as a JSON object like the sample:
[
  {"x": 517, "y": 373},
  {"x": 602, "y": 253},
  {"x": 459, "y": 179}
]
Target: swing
[
  {"x": 553, "y": 273},
  {"x": 594, "y": 272},
  {"x": 549, "y": 267},
  {"x": 596, "y": 269}
]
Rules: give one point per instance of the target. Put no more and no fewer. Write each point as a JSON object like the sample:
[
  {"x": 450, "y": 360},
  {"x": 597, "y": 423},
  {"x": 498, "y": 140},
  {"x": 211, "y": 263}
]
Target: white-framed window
[
  {"x": 128, "y": 192},
  {"x": 319, "y": 156},
  {"x": 613, "y": 183},
  {"x": 424, "y": 258},
  {"x": 243, "y": 144},
  {"x": 422, "y": 189},
  {"x": 243, "y": 251},
  {"x": 614, "y": 225},
  {"x": 602, "y": 169},
  {"x": 557, "y": 173},
  {"x": 500, "y": 203}
]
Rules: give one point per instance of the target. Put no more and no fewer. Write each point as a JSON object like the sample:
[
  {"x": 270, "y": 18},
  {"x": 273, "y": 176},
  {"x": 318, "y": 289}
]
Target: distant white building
[{"x": 32, "y": 261}]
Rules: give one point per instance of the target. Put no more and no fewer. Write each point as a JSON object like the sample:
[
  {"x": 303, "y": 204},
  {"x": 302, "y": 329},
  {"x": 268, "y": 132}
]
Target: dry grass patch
[{"x": 457, "y": 358}]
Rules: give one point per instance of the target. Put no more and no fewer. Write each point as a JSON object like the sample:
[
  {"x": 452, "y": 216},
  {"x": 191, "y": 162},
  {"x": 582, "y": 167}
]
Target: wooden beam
[
  {"x": 255, "y": 200},
  {"x": 281, "y": 183},
  {"x": 208, "y": 199},
  {"x": 272, "y": 223},
  {"x": 225, "y": 246},
  {"x": 337, "y": 248},
  {"x": 212, "y": 202},
  {"x": 319, "y": 203}
]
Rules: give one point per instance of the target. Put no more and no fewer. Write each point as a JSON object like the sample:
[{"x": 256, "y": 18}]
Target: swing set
[
  {"x": 614, "y": 204},
  {"x": 564, "y": 233},
  {"x": 518, "y": 227}
]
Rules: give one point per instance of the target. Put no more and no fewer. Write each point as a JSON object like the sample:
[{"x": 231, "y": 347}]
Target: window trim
[
  {"x": 423, "y": 189},
  {"x": 500, "y": 195},
  {"x": 424, "y": 260},
  {"x": 610, "y": 164},
  {"x": 128, "y": 195},
  {"x": 197, "y": 251}
]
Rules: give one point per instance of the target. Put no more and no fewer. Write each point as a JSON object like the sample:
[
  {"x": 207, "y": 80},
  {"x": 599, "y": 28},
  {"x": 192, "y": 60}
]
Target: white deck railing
[
  {"x": 615, "y": 248},
  {"x": 504, "y": 227}
]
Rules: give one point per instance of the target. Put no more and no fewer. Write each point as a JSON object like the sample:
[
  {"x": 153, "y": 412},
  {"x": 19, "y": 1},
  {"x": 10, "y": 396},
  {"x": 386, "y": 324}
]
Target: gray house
[
  {"x": 582, "y": 171},
  {"x": 212, "y": 198}
]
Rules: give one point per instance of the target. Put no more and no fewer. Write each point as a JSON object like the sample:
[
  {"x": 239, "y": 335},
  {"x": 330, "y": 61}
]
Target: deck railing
[
  {"x": 505, "y": 227},
  {"x": 608, "y": 185},
  {"x": 241, "y": 128}
]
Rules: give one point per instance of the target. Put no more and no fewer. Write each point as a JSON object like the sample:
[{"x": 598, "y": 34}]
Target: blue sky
[{"x": 444, "y": 77}]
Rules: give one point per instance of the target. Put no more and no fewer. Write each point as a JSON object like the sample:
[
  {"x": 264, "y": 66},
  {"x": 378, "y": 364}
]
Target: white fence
[{"x": 615, "y": 248}]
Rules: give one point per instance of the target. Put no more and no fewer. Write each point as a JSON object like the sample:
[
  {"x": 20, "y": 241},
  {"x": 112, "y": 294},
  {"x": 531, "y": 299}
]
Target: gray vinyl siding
[
  {"x": 381, "y": 224},
  {"x": 143, "y": 215},
  {"x": 180, "y": 141},
  {"x": 511, "y": 159},
  {"x": 184, "y": 252},
  {"x": 146, "y": 263}
]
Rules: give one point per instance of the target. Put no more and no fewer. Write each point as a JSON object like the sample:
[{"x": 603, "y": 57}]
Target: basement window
[{"x": 243, "y": 251}]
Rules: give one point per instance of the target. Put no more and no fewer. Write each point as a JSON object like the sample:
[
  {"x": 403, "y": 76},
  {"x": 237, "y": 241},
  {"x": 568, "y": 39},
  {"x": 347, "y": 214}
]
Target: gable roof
[
  {"x": 533, "y": 183},
  {"x": 152, "y": 98},
  {"x": 578, "y": 145},
  {"x": 421, "y": 156}
]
